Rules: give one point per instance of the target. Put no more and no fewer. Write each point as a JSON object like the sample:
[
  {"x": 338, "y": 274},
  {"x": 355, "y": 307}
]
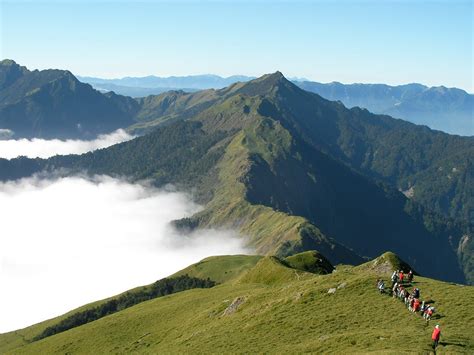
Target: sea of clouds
[
  {"x": 72, "y": 240},
  {"x": 45, "y": 148}
]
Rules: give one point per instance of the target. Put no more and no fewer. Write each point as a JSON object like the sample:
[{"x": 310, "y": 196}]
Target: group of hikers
[{"x": 399, "y": 289}]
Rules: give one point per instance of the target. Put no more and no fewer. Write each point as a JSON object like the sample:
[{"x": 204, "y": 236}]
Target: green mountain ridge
[
  {"x": 441, "y": 108},
  {"x": 406, "y": 156},
  {"x": 265, "y": 304},
  {"x": 396, "y": 152},
  {"x": 292, "y": 171}
]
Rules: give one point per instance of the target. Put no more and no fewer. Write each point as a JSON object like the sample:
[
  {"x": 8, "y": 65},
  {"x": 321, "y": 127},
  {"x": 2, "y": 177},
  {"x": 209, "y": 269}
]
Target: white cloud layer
[
  {"x": 42, "y": 148},
  {"x": 69, "y": 241}
]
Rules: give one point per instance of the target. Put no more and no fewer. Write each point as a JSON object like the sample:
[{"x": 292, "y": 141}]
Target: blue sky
[{"x": 391, "y": 42}]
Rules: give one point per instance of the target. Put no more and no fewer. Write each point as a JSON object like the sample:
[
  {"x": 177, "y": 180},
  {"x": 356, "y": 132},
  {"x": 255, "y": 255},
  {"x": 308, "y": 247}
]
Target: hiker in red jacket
[
  {"x": 400, "y": 277},
  {"x": 435, "y": 336},
  {"x": 416, "y": 305}
]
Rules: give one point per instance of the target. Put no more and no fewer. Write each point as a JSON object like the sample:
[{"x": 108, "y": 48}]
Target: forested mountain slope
[
  {"x": 54, "y": 104},
  {"x": 292, "y": 172}
]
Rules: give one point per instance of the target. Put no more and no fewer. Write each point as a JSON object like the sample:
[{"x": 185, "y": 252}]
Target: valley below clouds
[{"x": 72, "y": 240}]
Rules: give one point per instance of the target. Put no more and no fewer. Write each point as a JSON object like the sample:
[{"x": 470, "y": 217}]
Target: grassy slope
[
  {"x": 264, "y": 152},
  {"x": 271, "y": 270},
  {"x": 21, "y": 337},
  {"x": 310, "y": 261},
  {"x": 400, "y": 153},
  {"x": 268, "y": 231},
  {"x": 220, "y": 268},
  {"x": 295, "y": 314}
]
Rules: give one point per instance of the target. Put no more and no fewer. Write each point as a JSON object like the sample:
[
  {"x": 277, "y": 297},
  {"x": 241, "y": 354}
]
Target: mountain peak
[
  {"x": 272, "y": 77},
  {"x": 387, "y": 263},
  {"x": 8, "y": 62},
  {"x": 278, "y": 74},
  {"x": 266, "y": 84},
  {"x": 10, "y": 71}
]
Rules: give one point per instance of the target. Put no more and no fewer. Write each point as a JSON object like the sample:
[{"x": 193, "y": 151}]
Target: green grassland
[
  {"x": 310, "y": 261},
  {"x": 269, "y": 231},
  {"x": 282, "y": 310},
  {"x": 220, "y": 269}
]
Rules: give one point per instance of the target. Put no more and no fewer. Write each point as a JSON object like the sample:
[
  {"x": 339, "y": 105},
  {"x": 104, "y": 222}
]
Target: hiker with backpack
[
  {"x": 410, "y": 276},
  {"x": 394, "y": 278},
  {"x": 428, "y": 313},
  {"x": 407, "y": 298},
  {"x": 422, "y": 308},
  {"x": 379, "y": 282},
  {"x": 402, "y": 293},
  {"x": 416, "y": 305},
  {"x": 435, "y": 336},
  {"x": 416, "y": 292},
  {"x": 381, "y": 286},
  {"x": 409, "y": 302},
  {"x": 395, "y": 290}
]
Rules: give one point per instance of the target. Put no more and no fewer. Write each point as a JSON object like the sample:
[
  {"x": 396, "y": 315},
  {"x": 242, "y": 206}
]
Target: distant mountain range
[
  {"x": 191, "y": 82},
  {"x": 134, "y": 91},
  {"x": 293, "y": 171},
  {"x": 446, "y": 109},
  {"x": 54, "y": 104}
]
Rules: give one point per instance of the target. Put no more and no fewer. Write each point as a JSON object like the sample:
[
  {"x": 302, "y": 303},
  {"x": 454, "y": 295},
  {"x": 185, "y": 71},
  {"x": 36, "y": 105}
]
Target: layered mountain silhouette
[
  {"x": 30, "y": 101},
  {"x": 155, "y": 85},
  {"x": 192, "y": 82},
  {"x": 447, "y": 109},
  {"x": 54, "y": 104},
  {"x": 293, "y": 172}
]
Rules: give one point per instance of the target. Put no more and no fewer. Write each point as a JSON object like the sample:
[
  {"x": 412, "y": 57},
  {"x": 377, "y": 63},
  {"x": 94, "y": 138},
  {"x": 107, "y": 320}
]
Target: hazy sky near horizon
[{"x": 369, "y": 41}]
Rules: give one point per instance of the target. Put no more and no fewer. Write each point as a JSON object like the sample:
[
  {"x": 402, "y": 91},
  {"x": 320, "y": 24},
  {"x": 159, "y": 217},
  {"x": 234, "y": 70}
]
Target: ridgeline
[{"x": 294, "y": 172}]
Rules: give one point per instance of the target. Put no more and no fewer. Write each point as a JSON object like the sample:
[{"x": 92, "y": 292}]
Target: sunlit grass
[{"x": 283, "y": 311}]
